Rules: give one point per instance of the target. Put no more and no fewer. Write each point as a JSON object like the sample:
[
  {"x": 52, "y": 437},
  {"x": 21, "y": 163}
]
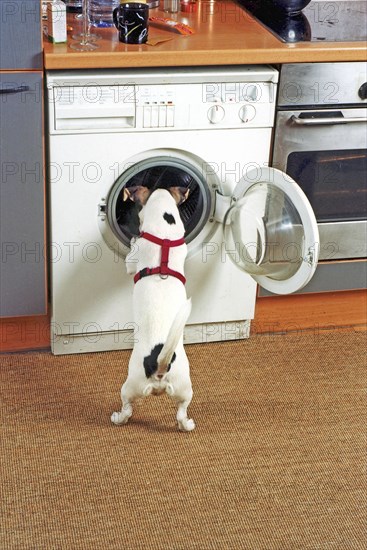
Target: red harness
[{"x": 163, "y": 268}]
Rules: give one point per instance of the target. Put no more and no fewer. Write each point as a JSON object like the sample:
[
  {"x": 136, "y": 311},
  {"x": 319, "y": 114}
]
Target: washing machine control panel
[
  {"x": 201, "y": 106},
  {"x": 84, "y": 105}
]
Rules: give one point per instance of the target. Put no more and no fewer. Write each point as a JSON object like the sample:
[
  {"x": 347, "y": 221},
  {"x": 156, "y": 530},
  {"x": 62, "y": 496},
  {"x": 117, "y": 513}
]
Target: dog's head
[{"x": 159, "y": 208}]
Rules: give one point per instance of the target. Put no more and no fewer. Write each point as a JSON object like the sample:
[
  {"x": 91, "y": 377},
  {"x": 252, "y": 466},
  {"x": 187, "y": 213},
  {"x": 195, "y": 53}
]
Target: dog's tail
[{"x": 174, "y": 335}]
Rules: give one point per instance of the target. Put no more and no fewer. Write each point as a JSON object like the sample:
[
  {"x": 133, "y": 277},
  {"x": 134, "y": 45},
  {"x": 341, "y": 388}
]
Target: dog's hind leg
[
  {"x": 184, "y": 424},
  {"x": 128, "y": 395}
]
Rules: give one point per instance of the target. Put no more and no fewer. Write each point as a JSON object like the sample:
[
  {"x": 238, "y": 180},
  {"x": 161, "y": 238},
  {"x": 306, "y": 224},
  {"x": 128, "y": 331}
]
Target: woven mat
[{"x": 277, "y": 461}]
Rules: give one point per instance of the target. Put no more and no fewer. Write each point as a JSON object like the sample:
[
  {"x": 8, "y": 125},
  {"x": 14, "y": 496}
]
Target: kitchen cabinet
[
  {"x": 22, "y": 194},
  {"x": 20, "y": 30}
]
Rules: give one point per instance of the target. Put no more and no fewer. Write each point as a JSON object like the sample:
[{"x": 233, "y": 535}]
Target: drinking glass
[{"x": 86, "y": 39}]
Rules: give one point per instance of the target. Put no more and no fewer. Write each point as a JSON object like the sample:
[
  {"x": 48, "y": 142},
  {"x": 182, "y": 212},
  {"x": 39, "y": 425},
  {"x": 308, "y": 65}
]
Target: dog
[{"x": 158, "y": 362}]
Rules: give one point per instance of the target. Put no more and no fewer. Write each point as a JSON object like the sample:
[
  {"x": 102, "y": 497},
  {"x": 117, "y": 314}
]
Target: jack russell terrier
[{"x": 158, "y": 362}]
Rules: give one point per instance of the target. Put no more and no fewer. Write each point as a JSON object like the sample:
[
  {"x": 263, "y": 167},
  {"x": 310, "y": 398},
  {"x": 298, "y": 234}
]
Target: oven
[{"x": 321, "y": 142}]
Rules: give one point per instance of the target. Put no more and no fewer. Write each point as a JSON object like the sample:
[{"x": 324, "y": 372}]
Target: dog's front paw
[
  {"x": 131, "y": 259},
  {"x": 186, "y": 425},
  {"x": 119, "y": 418},
  {"x": 130, "y": 268}
]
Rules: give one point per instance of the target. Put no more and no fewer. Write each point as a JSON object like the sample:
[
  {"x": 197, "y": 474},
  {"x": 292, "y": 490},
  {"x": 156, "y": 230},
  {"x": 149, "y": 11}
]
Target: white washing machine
[{"x": 207, "y": 129}]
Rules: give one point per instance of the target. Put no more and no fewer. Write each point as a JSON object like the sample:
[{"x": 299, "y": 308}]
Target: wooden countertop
[{"x": 225, "y": 34}]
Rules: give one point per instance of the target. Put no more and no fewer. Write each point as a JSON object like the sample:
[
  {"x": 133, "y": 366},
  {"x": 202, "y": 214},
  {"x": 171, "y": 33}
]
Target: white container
[{"x": 56, "y": 22}]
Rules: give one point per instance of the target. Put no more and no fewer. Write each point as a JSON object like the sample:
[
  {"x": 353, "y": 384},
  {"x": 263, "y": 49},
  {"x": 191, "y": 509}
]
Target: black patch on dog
[
  {"x": 169, "y": 218},
  {"x": 150, "y": 361}
]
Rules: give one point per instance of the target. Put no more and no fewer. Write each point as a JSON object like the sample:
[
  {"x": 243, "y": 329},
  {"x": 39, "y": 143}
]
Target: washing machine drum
[{"x": 160, "y": 173}]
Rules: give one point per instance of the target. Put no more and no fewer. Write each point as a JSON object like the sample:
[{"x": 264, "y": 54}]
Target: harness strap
[
  {"x": 157, "y": 240},
  {"x": 163, "y": 268}
]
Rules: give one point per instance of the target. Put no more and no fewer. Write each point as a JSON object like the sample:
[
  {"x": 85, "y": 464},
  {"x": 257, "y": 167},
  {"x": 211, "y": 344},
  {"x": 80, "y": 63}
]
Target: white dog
[{"x": 158, "y": 362}]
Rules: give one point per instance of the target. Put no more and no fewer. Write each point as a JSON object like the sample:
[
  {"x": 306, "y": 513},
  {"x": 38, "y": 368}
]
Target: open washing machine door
[{"x": 271, "y": 231}]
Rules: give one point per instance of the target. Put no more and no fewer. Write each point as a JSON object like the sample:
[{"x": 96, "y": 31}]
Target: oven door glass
[
  {"x": 333, "y": 181},
  {"x": 271, "y": 231},
  {"x": 325, "y": 152}
]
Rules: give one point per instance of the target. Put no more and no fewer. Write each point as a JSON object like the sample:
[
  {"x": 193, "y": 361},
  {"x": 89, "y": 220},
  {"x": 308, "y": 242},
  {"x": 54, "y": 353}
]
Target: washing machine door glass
[{"x": 271, "y": 231}]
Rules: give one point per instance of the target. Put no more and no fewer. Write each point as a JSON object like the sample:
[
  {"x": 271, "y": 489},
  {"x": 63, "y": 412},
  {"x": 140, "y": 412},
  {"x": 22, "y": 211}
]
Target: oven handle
[{"x": 325, "y": 121}]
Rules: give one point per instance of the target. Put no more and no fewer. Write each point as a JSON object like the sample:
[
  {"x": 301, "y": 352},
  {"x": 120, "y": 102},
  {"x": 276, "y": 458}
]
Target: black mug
[{"x": 131, "y": 20}]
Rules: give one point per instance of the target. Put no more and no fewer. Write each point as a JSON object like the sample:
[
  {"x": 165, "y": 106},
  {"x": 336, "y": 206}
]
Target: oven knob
[
  {"x": 216, "y": 114},
  {"x": 362, "y": 92},
  {"x": 247, "y": 113}
]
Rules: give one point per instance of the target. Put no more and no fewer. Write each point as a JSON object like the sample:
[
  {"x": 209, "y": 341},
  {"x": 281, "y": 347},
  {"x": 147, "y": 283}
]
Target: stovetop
[{"x": 320, "y": 21}]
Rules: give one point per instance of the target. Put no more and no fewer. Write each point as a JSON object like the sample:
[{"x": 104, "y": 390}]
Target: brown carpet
[{"x": 277, "y": 461}]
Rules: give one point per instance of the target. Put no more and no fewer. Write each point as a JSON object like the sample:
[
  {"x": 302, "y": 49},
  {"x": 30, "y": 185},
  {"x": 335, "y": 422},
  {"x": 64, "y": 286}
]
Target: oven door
[{"x": 325, "y": 152}]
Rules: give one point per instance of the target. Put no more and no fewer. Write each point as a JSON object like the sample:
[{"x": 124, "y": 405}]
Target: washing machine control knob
[
  {"x": 362, "y": 92},
  {"x": 216, "y": 114},
  {"x": 247, "y": 113}
]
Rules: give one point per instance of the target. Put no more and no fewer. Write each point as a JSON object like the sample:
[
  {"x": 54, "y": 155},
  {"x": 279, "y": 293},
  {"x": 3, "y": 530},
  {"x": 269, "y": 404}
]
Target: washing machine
[{"x": 207, "y": 129}]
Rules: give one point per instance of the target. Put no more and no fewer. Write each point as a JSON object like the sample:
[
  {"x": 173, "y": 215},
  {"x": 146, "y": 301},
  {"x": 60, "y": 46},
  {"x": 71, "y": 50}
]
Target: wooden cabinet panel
[{"x": 299, "y": 312}]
